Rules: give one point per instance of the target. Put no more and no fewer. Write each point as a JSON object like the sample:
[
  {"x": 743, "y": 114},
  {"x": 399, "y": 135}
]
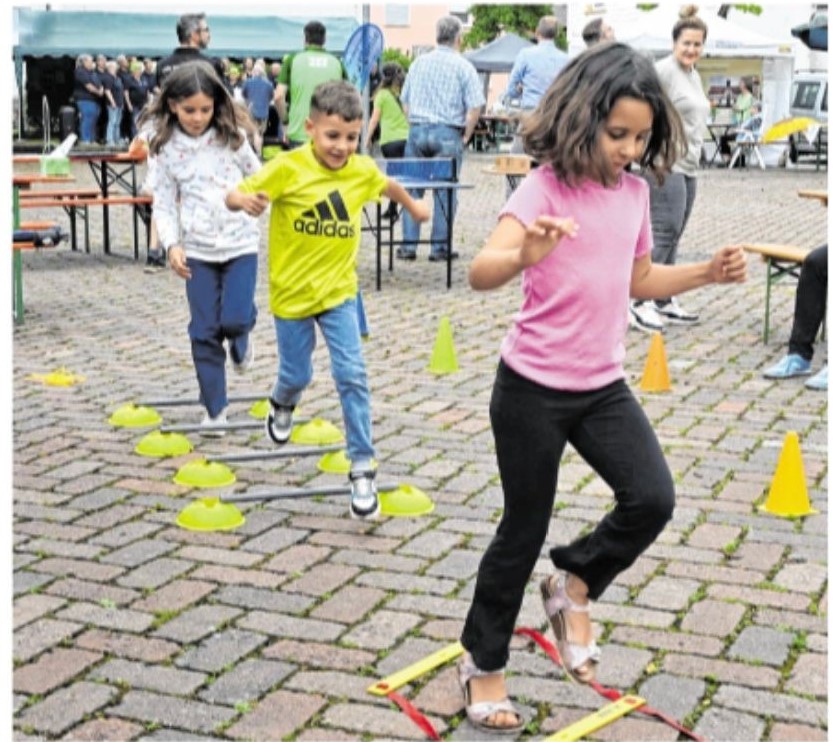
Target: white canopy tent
[
  {"x": 731, "y": 51},
  {"x": 726, "y": 43}
]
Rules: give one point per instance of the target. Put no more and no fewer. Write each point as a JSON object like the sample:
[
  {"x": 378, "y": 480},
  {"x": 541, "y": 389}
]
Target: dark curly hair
[{"x": 565, "y": 128}]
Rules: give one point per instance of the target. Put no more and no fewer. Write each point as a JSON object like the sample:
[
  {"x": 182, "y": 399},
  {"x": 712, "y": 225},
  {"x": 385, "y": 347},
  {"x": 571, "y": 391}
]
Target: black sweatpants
[
  {"x": 810, "y": 303},
  {"x": 531, "y": 426}
]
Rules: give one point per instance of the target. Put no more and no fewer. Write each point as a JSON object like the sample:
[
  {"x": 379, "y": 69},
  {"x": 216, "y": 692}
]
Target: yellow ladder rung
[
  {"x": 416, "y": 670},
  {"x": 603, "y": 716}
]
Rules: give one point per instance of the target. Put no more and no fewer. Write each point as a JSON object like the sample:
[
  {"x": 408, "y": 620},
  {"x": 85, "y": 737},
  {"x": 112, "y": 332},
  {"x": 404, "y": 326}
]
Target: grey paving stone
[
  {"x": 66, "y": 707},
  {"x": 247, "y": 681},
  {"x": 169, "y": 680},
  {"x": 180, "y": 713},
  {"x": 195, "y": 623},
  {"x": 673, "y": 695},
  {"x": 221, "y": 649},
  {"x": 761, "y": 644},
  {"x": 781, "y": 705},
  {"x": 728, "y": 725},
  {"x": 269, "y": 600}
]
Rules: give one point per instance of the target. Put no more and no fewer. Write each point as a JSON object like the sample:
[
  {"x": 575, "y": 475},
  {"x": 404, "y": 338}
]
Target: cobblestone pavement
[{"x": 129, "y": 627}]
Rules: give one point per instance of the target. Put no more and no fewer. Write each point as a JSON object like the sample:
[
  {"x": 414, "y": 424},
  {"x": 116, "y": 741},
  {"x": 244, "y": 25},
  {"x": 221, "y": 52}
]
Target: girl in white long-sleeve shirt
[{"x": 202, "y": 152}]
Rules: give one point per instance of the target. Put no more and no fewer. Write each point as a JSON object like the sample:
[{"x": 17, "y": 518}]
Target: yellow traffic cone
[
  {"x": 788, "y": 493},
  {"x": 443, "y": 360},
  {"x": 656, "y": 377}
]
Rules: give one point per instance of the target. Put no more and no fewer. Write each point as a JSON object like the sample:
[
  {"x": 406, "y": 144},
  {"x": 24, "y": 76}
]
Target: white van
[{"x": 809, "y": 98}]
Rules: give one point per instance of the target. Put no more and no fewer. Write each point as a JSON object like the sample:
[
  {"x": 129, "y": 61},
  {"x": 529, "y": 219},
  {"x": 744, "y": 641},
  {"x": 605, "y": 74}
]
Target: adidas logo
[{"x": 329, "y": 218}]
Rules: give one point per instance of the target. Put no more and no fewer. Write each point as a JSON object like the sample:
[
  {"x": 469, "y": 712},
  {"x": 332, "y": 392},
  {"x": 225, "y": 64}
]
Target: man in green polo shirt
[{"x": 301, "y": 73}]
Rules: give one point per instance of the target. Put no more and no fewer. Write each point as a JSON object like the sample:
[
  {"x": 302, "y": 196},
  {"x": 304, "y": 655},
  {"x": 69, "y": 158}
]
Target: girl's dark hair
[
  {"x": 689, "y": 21},
  {"x": 182, "y": 82},
  {"x": 391, "y": 74},
  {"x": 337, "y": 97},
  {"x": 565, "y": 128}
]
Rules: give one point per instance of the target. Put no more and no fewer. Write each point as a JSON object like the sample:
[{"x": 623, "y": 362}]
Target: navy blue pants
[
  {"x": 222, "y": 304},
  {"x": 532, "y": 425}
]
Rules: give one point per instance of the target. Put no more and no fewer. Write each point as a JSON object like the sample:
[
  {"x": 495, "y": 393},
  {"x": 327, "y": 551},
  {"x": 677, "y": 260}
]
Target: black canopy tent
[
  {"x": 48, "y": 43},
  {"x": 499, "y": 54}
]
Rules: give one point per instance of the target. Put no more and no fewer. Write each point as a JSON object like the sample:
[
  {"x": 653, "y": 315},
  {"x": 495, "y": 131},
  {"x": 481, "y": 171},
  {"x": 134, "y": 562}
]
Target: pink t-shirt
[{"x": 569, "y": 332}]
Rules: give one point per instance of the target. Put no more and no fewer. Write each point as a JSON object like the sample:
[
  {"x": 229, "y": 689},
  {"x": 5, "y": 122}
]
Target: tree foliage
[{"x": 489, "y": 21}]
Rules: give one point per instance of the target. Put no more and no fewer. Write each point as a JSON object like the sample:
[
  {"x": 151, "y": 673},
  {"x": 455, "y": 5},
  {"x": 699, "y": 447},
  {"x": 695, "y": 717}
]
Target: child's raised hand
[
  {"x": 177, "y": 261},
  {"x": 542, "y": 236},
  {"x": 420, "y": 212},
  {"x": 729, "y": 265}
]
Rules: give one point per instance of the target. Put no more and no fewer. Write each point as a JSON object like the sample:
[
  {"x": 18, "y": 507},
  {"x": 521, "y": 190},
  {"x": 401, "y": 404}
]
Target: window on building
[
  {"x": 397, "y": 15},
  {"x": 459, "y": 10}
]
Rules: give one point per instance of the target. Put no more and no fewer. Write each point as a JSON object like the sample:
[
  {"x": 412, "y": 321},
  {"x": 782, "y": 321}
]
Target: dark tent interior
[{"x": 48, "y": 43}]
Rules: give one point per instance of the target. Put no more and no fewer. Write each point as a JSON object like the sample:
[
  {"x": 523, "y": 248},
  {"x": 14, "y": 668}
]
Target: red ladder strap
[
  {"x": 609, "y": 693},
  {"x": 414, "y": 714}
]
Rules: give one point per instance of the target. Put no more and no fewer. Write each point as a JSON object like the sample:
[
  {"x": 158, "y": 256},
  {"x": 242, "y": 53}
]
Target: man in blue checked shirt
[
  {"x": 535, "y": 68},
  {"x": 442, "y": 98}
]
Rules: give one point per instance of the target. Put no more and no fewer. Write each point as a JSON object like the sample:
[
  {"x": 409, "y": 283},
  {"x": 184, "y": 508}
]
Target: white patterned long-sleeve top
[{"x": 193, "y": 176}]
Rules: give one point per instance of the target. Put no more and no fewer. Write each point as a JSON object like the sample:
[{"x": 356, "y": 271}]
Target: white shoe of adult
[
  {"x": 672, "y": 311},
  {"x": 644, "y": 317}
]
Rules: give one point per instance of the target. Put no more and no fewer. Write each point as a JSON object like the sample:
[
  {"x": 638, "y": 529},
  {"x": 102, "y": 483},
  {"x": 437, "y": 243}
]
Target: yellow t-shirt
[{"x": 315, "y": 222}]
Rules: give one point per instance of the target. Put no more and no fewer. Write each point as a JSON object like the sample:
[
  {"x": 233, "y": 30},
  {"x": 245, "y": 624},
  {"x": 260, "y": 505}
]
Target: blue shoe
[
  {"x": 789, "y": 366},
  {"x": 819, "y": 381}
]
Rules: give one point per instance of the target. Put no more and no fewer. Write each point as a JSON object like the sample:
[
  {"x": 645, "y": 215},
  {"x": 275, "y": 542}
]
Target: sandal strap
[
  {"x": 478, "y": 712},
  {"x": 559, "y": 599},
  {"x": 577, "y": 655}
]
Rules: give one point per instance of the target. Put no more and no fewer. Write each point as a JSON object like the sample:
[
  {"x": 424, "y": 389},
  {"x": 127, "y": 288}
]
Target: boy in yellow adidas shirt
[{"x": 317, "y": 194}]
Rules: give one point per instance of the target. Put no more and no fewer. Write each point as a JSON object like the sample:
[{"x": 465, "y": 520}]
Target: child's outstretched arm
[
  {"x": 655, "y": 281},
  {"x": 418, "y": 210},
  {"x": 253, "y": 204},
  {"x": 511, "y": 248}
]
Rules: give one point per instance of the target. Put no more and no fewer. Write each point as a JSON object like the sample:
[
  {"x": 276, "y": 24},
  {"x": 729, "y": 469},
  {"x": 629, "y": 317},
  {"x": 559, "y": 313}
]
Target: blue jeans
[
  {"x": 433, "y": 140},
  {"x": 222, "y": 304},
  {"x": 297, "y": 340},
  {"x": 88, "y": 114},
  {"x": 114, "y": 122}
]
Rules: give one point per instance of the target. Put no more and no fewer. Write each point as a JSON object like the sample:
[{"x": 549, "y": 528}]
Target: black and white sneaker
[
  {"x": 673, "y": 312},
  {"x": 644, "y": 317},
  {"x": 279, "y": 423},
  {"x": 364, "y": 502}
]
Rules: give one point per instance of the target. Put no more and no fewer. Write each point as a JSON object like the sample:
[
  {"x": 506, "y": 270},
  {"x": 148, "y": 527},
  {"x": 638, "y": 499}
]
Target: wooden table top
[{"x": 814, "y": 194}]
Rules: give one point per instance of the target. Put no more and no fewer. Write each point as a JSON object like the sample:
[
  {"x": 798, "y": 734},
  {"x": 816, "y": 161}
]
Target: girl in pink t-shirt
[{"x": 578, "y": 230}]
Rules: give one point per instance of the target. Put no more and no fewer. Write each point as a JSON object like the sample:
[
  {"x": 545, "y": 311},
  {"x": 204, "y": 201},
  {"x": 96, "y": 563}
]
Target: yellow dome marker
[{"x": 59, "y": 377}]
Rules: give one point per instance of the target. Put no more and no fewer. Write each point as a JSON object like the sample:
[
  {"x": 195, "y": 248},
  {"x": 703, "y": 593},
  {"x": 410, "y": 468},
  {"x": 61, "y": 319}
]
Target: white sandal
[
  {"x": 479, "y": 713},
  {"x": 579, "y": 660}
]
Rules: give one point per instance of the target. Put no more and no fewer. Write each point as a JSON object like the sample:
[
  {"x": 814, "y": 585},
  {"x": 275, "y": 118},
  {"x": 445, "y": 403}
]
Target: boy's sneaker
[
  {"x": 644, "y": 317},
  {"x": 403, "y": 253},
  {"x": 672, "y": 311},
  {"x": 364, "y": 502},
  {"x": 819, "y": 381},
  {"x": 788, "y": 367},
  {"x": 279, "y": 423},
  {"x": 247, "y": 361},
  {"x": 213, "y": 427}
]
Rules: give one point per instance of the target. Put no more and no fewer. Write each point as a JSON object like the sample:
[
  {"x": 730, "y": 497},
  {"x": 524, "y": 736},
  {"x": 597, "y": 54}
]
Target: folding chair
[{"x": 747, "y": 145}]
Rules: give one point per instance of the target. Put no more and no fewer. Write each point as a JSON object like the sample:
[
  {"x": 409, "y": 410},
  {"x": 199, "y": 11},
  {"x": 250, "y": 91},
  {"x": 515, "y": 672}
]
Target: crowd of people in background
[{"x": 110, "y": 94}]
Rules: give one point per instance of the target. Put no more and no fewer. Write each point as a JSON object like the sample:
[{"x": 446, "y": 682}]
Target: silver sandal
[
  {"x": 479, "y": 713},
  {"x": 579, "y": 660}
]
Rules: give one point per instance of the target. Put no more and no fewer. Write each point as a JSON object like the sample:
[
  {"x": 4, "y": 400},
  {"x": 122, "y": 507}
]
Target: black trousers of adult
[
  {"x": 810, "y": 303},
  {"x": 532, "y": 425}
]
